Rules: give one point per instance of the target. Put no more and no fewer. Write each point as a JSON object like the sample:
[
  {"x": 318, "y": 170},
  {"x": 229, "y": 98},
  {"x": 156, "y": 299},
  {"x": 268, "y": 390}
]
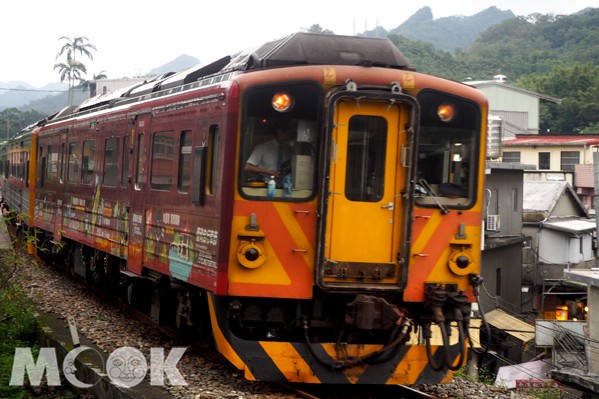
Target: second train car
[{"x": 351, "y": 261}]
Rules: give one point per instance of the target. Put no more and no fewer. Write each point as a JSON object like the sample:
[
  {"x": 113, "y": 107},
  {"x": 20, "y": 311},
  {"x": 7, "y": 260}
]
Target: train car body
[{"x": 368, "y": 246}]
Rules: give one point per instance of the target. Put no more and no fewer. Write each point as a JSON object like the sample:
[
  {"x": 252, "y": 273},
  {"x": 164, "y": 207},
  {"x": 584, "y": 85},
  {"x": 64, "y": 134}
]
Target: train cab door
[
  {"x": 138, "y": 190},
  {"x": 366, "y": 214}
]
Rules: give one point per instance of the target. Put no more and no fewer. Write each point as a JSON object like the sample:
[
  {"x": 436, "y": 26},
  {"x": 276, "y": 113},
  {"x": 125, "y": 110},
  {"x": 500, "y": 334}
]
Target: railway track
[{"x": 379, "y": 392}]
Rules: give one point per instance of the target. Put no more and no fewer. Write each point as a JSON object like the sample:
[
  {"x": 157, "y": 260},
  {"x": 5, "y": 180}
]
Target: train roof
[
  {"x": 297, "y": 49},
  {"x": 319, "y": 49}
]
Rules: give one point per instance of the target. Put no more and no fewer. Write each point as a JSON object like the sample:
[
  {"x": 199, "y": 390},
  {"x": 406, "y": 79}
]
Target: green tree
[
  {"x": 316, "y": 28},
  {"x": 577, "y": 85},
  {"x": 13, "y": 120},
  {"x": 73, "y": 69}
]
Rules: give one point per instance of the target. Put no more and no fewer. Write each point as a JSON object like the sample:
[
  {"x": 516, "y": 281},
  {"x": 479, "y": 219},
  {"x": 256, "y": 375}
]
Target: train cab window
[
  {"x": 279, "y": 142},
  {"x": 447, "y": 152},
  {"x": 111, "y": 162},
  {"x": 163, "y": 157},
  {"x": 74, "y": 163},
  {"x": 184, "y": 175},
  {"x": 87, "y": 164}
]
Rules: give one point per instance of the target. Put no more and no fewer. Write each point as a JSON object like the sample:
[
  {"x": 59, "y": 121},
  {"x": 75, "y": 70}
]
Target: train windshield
[
  {"x": 279, "y": 142},
  {"x": 448, "y": 146}
]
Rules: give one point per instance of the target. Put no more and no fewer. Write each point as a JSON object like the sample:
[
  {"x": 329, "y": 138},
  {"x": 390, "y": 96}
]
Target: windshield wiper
[{"x": 431, "y": 193}]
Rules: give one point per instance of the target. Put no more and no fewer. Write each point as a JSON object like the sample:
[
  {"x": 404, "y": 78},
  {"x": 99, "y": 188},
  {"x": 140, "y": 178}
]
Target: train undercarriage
[{"x": 340, "y": 322}]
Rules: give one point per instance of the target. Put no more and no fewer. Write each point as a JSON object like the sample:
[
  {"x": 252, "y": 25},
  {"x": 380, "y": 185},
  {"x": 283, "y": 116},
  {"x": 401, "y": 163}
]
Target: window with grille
[
  {"x": 568, "y": 159},
  {"x": 511, "y": 156}
]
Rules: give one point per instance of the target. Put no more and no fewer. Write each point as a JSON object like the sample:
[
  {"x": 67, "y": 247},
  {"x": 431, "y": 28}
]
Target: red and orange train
[{"x": 354, "y": 269}]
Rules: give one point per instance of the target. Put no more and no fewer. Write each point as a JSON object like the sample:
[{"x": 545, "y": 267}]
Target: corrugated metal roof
[
  {"x": 579, "y": 140},
  {"x": 542, "y": 195},
  {"x": 512, "y": 325},
  {"x": 572, "y": 226},
  {"x": 488, "y": 83}
]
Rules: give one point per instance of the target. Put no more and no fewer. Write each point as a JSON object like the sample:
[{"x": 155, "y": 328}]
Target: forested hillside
[
  {"x": 548, "y": 54},
  {"x": 552, "y": 55}
]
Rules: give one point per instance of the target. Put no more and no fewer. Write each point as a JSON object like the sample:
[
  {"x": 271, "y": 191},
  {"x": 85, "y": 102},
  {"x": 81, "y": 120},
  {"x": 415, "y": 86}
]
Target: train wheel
[
  {"x": 97, "y": 267},
  {"x": 183, "y": 318},
  {"x": 77, "y": 262}
]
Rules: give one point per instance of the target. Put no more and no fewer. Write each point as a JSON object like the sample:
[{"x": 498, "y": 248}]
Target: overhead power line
[{"x": 40, "y": 90}]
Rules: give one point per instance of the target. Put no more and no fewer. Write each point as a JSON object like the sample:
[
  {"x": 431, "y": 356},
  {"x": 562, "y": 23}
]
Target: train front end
[{"x": 356, "y": 259}]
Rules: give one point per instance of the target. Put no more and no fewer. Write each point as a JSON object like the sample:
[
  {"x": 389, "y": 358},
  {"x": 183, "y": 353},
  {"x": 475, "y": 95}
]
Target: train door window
[
  {"x": 184, "y": 175},
  {"x": 126, "y": 157},
  {"x": 111, "y": 162},
  {"x": 74, "y": 163},
  {"x": 366, "y": 158},
  {"x": 87, "y": 166},
  {"x": 140, "y": 169},
  {"x": 52, "y": 164},
  {"x": 213, "y": 140},
  {"x": 163, "y": 158}
]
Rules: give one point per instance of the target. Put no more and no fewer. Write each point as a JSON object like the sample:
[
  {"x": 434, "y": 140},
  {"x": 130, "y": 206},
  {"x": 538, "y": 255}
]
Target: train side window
[
  {"x": 163, "y": 157},
  {"x": 111, "y": 162},
  {"x": 213, "y": 140},
  {"x": 125, "y": 178},
  {"x": 140, "y": 169},
  {"x": 73, "y": 167},
  {"x": 40, "y": 171},
  {"x": 61, "y": 167},
  {"x": 52, "y": 165},
  {"x": 198, "y": 193},
  {"x": 87, "y": 166},
  {"x": 184, "y": 175}
]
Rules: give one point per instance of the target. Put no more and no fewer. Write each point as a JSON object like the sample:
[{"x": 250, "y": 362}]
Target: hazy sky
[{"x": 132, "y": 37}]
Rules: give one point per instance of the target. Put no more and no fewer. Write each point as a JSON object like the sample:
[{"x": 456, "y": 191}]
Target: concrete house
[
  {"x": 562, "y": 238},
  {"x": 518, "y": 108},
  {"x": 501, "y": 294}
]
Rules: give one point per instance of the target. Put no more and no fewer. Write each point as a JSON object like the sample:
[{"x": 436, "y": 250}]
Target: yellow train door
[{"x": 365, "y": 208}]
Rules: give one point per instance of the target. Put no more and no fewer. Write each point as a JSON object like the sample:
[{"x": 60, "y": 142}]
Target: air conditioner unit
[{"x": 493, "y": 223}]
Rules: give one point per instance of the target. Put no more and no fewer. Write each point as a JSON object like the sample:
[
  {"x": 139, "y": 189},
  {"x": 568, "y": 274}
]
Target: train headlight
[
  {"x": 250, "y": 255},
  {"x": 282, "y": 102},
  {"x": 446, "y": 112},
  {"x": 461, "y": 262}
]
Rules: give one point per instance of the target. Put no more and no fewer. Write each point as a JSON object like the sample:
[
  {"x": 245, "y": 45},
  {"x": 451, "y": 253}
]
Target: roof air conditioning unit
[{"x": 493, "y": 223}]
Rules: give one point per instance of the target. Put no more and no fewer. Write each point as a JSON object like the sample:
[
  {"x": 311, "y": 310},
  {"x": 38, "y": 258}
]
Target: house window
[
  {"x": 569, "y": 159},
  {"x": 511, "y": 156},
  {"x": 544, "y": 161}
]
